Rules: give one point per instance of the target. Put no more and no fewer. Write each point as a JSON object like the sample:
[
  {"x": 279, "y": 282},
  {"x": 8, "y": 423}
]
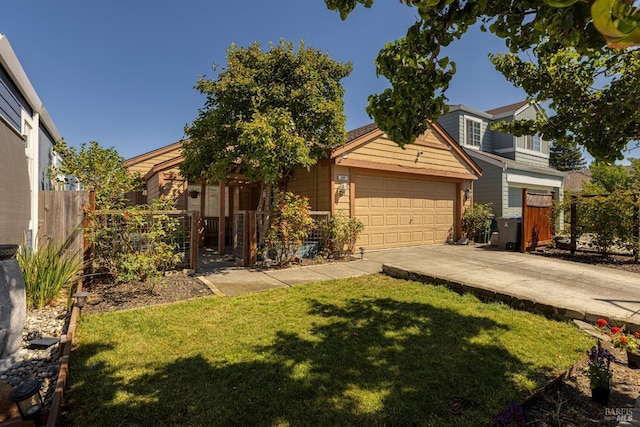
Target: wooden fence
[{"x": 60, "y": 217}]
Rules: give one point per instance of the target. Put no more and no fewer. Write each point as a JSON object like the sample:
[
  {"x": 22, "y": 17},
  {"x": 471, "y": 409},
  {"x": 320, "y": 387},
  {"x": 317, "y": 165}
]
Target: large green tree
[
  {"x": 565, "y": 157},
  {"x": 98, "y": 169},
  {"x": 420, "y": 74},
  {"x": 266, "y": 113},
  {"x": 594, "y": 96}
]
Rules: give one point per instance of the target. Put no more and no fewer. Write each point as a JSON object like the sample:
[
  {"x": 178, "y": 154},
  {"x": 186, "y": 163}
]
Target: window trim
[{"x": 468, "y": 119}]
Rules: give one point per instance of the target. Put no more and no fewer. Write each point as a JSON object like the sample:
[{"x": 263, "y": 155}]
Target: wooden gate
[{"x": 537, "y": 229}]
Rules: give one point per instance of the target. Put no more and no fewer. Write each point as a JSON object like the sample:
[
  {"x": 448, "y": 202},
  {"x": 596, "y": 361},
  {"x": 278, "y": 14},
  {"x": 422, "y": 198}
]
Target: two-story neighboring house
[
  {"x": 27, "y": 136},
  {"x": 509, "y": 163}
]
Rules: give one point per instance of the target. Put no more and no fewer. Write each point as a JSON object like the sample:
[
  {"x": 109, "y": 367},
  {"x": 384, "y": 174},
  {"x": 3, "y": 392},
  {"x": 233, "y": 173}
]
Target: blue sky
[{"x": 122, "y": 72}]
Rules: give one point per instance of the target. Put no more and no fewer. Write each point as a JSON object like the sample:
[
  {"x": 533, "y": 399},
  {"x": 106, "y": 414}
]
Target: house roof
[
  {"x": 363, "y": 130},
  {"x": 503, "y": 162},
  {"x": 507, "y": 108},
  {"x": 167, "y": 164},
  {"x": 157, "y": 152},
  {"x": 575, "y": 180}
]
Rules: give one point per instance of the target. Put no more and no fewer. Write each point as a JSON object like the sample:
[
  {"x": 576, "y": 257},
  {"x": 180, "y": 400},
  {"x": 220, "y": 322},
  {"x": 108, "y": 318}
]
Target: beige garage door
[{"x": 402, "y": 212}]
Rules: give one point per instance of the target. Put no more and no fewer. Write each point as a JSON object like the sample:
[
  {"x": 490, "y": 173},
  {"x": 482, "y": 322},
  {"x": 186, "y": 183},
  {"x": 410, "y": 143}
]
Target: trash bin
[{"x": 509, "y": 233}]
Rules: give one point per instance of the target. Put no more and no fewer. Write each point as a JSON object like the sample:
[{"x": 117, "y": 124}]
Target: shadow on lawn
[{"x": 369, "y": 362}]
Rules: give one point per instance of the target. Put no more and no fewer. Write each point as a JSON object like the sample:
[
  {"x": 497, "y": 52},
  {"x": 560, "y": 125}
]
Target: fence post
[
  {"x": 194, "y": 241},
  {"x": 88, "y": 222},
  {"x": 636, "y": 227},
  {"x": 574, "y": 223}
]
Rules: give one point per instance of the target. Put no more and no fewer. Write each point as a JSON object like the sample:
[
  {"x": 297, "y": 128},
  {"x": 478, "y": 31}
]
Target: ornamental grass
[{"x": 366, "y": 351}]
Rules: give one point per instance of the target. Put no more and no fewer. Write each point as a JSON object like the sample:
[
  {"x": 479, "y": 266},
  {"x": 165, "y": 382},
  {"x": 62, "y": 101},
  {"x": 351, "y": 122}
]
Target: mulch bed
[{"x": 105, "y": 296}]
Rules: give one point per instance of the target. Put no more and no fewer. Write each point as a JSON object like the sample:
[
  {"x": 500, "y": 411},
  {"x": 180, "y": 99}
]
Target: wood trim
[
  {"x": 365, "y": 164},
  {"x": 332, "y": 186},
  {"x": 363, "y": 139},
  {"x": 151, "y": 154},
  {"x": 163, "y": 166}
]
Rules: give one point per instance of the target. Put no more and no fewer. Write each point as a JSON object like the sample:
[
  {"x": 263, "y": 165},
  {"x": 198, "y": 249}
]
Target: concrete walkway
[{"x": 585, "y": 290}]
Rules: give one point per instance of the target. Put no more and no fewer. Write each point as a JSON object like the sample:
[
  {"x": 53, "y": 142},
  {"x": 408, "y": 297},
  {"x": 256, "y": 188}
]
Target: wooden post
[
  {"x": 194, "y": 253},
  {"x": 88, "y": 222},
  {"x": 574, "y": 224},
  {"x": 203, "y": 201},
  {"x": 523, "y": 225},
  {"x": 221, "y": 219},
  {"x": 636, "y": 227}
]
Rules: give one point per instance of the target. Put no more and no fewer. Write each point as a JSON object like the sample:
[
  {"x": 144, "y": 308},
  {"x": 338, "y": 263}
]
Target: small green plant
[
  {"x": 340, "y": 234},
  {"x": 598, "y": 369},
  {"x": 289, "y": 227},
  {"x": 47, "y": 271},
  {"x": 476, "y": 220}
]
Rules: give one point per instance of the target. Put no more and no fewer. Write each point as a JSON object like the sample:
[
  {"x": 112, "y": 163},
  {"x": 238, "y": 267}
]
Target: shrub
[
  {"x": 47, "y": 271},
  {"x": 137, "y": 243},
  {"x": 476, "y": 219},
  {"x": 340, "y": 234},
  {"x": 290, "y": 226}
]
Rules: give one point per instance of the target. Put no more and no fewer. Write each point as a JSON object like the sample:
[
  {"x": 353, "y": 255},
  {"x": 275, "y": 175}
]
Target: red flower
[
  {"x": 615, "y": 330},
  {"x": 602, "y": 323},
  {"x": 637, "y": 334},
  {"x": 624, "y": 339}
]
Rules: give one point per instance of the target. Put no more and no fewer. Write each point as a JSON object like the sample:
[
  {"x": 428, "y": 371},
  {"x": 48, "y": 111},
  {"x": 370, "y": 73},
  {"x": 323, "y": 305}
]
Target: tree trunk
[{"x": 264, "y": 212}]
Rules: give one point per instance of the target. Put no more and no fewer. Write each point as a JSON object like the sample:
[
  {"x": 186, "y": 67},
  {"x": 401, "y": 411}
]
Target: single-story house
[{"x": 404, "y": 196}]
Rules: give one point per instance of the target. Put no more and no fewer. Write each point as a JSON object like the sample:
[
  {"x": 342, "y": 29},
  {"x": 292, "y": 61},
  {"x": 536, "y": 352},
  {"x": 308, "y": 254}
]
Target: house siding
[
  {"x": 45, "y": 158},
  {"x": 11, "y": 101},
  {"x": 451, "y": 123},
  {"x": 435, "y": 154},
  {"x": 487, "y": 188},
  {"x": 531, "y": 157},
  {"x": 16, "y": 205}
]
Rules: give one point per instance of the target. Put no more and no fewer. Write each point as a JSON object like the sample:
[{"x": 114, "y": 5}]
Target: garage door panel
[
  {"x": 403, "y": 212},
  {"x": 376, "y": 220}
]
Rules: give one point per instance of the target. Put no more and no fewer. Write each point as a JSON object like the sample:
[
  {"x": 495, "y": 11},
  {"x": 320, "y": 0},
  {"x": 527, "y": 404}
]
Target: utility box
[{"x": 509, "y": 233}]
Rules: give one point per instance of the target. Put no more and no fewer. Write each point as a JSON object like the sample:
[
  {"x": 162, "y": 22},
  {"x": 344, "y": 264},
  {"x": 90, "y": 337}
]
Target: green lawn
[{"x": 368, "y": 351}]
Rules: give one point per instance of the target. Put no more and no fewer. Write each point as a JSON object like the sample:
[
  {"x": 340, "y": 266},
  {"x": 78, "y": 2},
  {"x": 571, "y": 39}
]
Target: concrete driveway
[
  {"x": 582, "y": 291},
  {"x": 585, "y": 289}
]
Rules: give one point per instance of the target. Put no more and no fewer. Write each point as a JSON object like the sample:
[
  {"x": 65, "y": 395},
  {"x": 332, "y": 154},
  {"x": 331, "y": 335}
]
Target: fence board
[{"x": 60, "y": 218}]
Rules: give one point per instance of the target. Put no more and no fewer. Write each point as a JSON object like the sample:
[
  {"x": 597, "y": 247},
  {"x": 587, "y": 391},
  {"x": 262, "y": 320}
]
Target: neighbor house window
[
  {"x": 534, "y": 142},
  {"x": 472, "y": 132}
]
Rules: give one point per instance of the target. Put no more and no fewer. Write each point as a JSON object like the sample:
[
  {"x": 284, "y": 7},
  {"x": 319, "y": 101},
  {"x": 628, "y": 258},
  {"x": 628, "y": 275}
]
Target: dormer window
[
  {"x": 472, "y": 132},
  {"x": 534, "y": 142}
]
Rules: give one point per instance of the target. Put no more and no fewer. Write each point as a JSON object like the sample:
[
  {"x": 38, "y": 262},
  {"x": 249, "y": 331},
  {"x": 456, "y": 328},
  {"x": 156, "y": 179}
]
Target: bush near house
[
  {"x": 137, "y": 243},
  {"x": 476, "y": 220},
  {"x": 607, "y": 219},
  {"x": 340, "y": 234},
  {"x": 290, "y": 225}
]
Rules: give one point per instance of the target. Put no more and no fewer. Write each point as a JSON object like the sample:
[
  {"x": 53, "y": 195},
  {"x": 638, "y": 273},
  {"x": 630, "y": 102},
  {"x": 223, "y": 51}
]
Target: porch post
[
  {"x": 201, "y": 227},
  {"x": 221, "y": 219}
]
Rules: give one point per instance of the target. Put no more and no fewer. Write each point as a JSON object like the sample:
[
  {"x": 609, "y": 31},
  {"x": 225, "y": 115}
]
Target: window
[
  {"x": 534, "y": 142},
  {"x": 472, "y": 132}
]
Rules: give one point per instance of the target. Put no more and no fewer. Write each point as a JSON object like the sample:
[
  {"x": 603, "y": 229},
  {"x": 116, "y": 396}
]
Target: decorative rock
[{"x": 36, "y": 362}]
